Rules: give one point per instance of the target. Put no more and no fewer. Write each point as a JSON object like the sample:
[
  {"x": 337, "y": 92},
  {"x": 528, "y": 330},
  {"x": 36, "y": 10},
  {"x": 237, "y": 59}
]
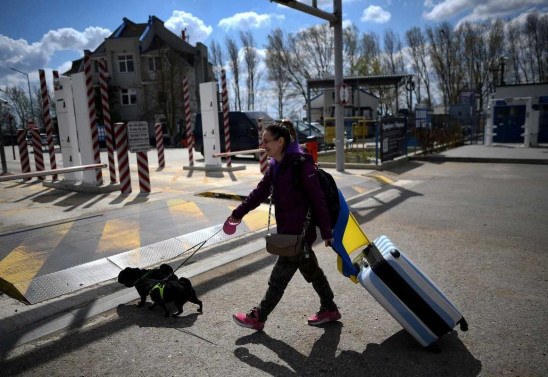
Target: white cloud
[
  {"x": 478, "y": 10},
  {"x": 248, "y": 20},
  {"x": 376, "y": 14},
  {"x": 197, "y": 30},
  {"x": 31, "y": 57}
]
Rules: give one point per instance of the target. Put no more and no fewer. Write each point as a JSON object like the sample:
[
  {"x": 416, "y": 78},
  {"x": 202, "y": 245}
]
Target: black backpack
[{"x": 329, "y": 187}]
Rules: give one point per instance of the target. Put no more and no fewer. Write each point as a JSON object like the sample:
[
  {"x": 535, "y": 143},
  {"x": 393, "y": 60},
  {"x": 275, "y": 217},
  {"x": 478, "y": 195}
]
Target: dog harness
[{"x": 159, "y": 286}]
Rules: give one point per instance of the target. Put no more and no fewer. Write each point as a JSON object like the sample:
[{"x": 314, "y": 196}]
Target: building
[
  {"x": 362, "y": 103},
  {"x": 146, "y": 63},
  {"x": 518, "y": 114}
]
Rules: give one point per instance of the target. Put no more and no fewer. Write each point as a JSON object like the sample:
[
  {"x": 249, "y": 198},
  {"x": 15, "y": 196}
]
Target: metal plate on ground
[{"x": 66, "y": 281}]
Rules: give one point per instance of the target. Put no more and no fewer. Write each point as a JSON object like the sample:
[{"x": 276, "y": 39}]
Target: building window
[
  {"x": 125, "y": 63},
  {"x": 154, "y": 64},
  {"x": 128, "y": 96}
]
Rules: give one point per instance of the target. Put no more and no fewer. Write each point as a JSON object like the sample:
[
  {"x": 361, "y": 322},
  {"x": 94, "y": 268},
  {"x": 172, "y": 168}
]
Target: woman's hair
[
  {"x": 278, "y": 130},
  {"x": 289, "y": 125}
]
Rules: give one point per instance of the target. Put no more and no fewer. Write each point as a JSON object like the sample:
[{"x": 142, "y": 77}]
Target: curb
[{"x": 500, "y": 160}]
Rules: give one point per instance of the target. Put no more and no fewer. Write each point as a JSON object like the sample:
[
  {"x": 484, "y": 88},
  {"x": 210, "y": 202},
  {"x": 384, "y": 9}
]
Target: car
[
  {"x": 244, "y": 131},
  {"x": 43, "y": 138},
  {"x": 307, "y": 131}
]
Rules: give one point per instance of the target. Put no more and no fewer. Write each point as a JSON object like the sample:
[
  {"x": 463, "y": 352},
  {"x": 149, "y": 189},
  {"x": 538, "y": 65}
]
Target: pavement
[{"x": 51, "y": 237}]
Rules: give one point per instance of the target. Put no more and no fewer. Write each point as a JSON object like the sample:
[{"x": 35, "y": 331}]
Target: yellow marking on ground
[
  {"x": 23, "y": 263},
  {"x": 381, "y": 179},
  {"x": 118, "y": 235},
  {"x": 186, "y": 208},
  {"x": 360, "y": 189},
  {"x": 258, "y": 219}
]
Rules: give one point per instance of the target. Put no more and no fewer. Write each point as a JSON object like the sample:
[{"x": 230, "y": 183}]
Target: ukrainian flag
[{"x": 347, "y": 237}]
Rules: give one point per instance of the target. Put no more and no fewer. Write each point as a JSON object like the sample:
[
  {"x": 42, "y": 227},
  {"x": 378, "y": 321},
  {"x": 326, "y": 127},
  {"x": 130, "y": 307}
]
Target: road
[{"x": 478, "y": 231}]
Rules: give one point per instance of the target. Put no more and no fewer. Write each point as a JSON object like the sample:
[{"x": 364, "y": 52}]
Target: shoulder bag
[{"x": 286, "y": 245}]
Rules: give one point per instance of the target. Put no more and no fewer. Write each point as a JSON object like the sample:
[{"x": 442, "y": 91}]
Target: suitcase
[{"x": 407, "y": 293}]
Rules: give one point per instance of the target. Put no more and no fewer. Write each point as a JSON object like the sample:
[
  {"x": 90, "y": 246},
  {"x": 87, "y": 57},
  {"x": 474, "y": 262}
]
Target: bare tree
[
  {"x": 277, "y": 75},
  {"x": 234, "y": 63},
  {"x": 217, "y": 58},
  {"x": 351, "y": 50},
  {"x": 19, "y": 104},
  {"x": 251, "y": 59},
  {"x": 419, "y": 51}
]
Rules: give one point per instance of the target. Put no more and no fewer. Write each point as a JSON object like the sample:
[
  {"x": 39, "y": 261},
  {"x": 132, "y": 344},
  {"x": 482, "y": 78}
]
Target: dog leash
[{"x": 198, "y": 246}]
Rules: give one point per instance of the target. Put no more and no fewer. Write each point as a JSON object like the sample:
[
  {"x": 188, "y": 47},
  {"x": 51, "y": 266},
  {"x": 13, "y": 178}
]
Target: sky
[{"x": 49, "y": 34}]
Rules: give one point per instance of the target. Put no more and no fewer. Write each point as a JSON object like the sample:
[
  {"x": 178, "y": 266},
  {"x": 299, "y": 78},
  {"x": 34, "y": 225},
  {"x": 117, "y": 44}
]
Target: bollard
[
  {"x": 142, "y": 170},
  {"x": 23, "y": 152},
  {"x": 102, "y": 65},
  {"x": 120, "y": 132},
  {"x": 37, "y": 147},
  {"x": 160, "y": 145},
  {"x": 47, "y": 121}
]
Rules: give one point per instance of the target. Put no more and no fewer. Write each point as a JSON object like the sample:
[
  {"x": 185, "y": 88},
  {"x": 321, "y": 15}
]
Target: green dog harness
[{"x": 159, "y": 286}]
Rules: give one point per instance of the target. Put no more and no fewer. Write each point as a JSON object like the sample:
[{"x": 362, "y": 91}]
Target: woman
[{"x": 291, "y": 203}]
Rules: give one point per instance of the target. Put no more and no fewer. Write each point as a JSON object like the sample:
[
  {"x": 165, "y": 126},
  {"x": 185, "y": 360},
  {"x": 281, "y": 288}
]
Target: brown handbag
[{"x": 286, "y": 245}]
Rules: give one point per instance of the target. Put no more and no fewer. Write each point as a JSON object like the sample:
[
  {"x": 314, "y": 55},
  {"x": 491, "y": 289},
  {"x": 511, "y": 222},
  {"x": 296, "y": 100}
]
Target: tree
[
  {"x": 217, "y": 58},
  {"x": 419, "y": 51},
  {"x": 234, "y": 63},
  {"x": 19, "y": 104},
  {"x": 251, "y": 59}
]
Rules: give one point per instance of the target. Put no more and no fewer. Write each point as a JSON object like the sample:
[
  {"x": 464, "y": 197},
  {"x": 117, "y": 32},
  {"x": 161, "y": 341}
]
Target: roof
[{"x": 357, "y": 81}]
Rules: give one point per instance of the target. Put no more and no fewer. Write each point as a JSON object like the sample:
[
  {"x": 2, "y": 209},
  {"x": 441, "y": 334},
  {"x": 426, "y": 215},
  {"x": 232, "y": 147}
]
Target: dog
[
  {"x": 177, "y": 291},
  {"x": 131, "y": 276}
]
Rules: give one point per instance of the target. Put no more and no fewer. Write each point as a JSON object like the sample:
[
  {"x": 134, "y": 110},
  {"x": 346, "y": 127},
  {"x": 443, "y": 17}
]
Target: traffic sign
[
  {"x": 138, "y": 138},
  {"x": 344, "y": 94}
]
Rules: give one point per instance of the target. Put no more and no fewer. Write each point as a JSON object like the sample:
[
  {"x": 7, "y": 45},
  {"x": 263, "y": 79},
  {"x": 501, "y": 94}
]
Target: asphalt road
[{"x": 478, "y": 231}]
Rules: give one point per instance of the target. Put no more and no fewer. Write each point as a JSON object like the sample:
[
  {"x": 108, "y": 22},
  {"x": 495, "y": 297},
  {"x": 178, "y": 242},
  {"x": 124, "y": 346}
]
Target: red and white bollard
[
  {"x": 93, "y": 119},
  {"x": 142, "y": 169},
  {"x": 188, "y": 127},
  {"x": 225, "y": 117},
  {"x": 23, "y": 152},
  {"x": 263, "y": 161},
  {"x": 106, "y": 119},
  {"x": 37, "y": 148},
  {"x": 47, "y": 121},
  {"x": 120, "y": 132},
  {"x": 160, "y": 145}
]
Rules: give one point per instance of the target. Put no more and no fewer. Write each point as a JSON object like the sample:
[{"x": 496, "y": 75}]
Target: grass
[{"x": 350, "y": 155}]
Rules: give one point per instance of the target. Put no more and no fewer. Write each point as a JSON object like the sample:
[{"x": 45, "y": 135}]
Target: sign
[
  {"x": 344, "y": 94},
  {"x": 138, "y": 138},
  {"x": 393, "y": 133}
]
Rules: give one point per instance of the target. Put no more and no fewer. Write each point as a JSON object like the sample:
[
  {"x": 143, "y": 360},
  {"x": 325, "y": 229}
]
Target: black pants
[{"x": 283, "y": 271}]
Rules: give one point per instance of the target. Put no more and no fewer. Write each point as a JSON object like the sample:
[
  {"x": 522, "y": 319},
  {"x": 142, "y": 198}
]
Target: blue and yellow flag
[{"x": 347, "y": 237}]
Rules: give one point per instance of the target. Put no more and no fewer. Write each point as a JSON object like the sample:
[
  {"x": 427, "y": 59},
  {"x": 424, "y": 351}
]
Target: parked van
[{"x": 244, "y": 131}]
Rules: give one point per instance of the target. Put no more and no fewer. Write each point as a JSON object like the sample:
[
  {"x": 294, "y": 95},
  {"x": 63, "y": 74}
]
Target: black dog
[
  {"x": 130, "y": 277},
  {"x": 176, "y": 291}
]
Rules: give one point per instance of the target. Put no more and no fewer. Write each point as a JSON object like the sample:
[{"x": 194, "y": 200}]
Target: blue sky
[{"x": 48, "y": 34}]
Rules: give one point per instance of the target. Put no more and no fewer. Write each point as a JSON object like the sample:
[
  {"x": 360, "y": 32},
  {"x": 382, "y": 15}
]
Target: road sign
[
  {"x": 344, "y": 94},
  {"x": 138, "y": 138}
]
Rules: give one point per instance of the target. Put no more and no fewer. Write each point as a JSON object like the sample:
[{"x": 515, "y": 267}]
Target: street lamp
[{"x": 31, "y": 117}]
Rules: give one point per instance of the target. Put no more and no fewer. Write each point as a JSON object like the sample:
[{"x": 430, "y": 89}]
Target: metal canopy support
[{"x": 335, "y": 20}]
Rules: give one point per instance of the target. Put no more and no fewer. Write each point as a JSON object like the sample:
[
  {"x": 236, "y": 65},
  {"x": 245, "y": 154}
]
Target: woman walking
[{"x": 292, "y": 178}]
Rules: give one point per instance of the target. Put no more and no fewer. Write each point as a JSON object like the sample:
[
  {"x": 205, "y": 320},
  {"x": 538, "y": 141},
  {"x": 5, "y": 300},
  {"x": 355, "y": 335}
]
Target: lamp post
[{"x": 31, "y": 117}]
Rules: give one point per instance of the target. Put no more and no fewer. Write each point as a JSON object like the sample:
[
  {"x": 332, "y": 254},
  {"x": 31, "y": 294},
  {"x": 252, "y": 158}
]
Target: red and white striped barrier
[
  {"x": 160, "y": 145},
  {"x": 142, "y": 169},
  {"x": 225, "y": 117},
  {"x": 189, "y": 135},
  {"x": 92, "y": 118},
  {"x": 106, "y": 119},
  {"x": 120, "y": 132},
  {"x": 47, "y": 121},
  {"x": 263, "y": 161},
  {"x": 37, "y": 147},
  {"x": 23, "y": 152}
]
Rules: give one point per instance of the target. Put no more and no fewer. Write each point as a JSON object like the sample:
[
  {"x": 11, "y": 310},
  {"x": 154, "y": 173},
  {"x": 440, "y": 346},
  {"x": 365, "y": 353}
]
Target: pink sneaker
[
  {"x": 324, "y": 316},
  {"x": 249, "y": 320}
]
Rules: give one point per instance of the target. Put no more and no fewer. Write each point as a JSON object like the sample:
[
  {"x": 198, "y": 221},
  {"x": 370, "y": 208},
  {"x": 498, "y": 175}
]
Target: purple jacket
[{"x": 291, "y": 201}]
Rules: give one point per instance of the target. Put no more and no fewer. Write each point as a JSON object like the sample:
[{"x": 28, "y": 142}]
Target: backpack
[{"x": 329, "y": 187}]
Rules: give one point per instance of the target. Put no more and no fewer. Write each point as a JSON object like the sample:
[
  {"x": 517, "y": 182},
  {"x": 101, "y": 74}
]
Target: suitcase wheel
[
  {"x": 463, "y": 324},
  {"x": 395, "y": 253}
]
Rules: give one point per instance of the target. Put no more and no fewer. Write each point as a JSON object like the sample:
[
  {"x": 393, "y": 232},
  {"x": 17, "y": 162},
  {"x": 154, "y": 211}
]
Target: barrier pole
[
  {"x": 143, "y": 172},
  {"x": 120, "y": 133},
  {"x": 188, "y": 127},
  {"x": 225, "y": 117},
  {"x": 92, "y": 118},
  {"x": 37, "y": 147},
  {"x": 23, "y": 152},
  {"x": 47, "y": 121},
  {"x": 106, "y": 119},
  {"x": 160, "y": 145},
  {"x": 263, "y": 162}
]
